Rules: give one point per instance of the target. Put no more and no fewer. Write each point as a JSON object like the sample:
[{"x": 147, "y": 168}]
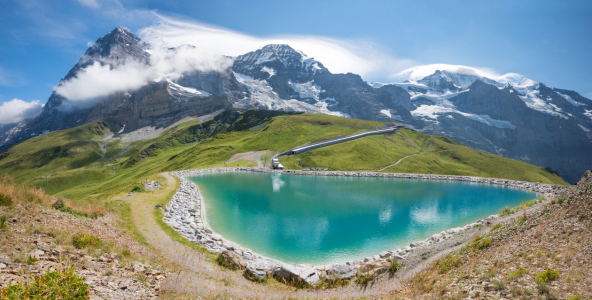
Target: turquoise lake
[{"x": 326, "y": 219}]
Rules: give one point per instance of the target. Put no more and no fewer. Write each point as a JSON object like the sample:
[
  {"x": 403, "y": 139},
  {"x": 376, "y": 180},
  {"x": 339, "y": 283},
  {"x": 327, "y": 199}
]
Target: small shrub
[
  {"x": 526, "y": 204},
  {"x": 394, "y": 265},
  {"x": 3, "y": 223},
  {"x": 547, "y": 276},
  {"x": 447, "y": 263},
  {"x": 64, "y": 284},
  {"x": 553, "y": 202},
  {"x": 517, "y": 274},
  {"x": 560, "y": 201},
  {"x": 481, "y": 244},
  {"x": 126, "y": 253},
  {"x": 329, "y": 283},
  {"x": 84, "y": 241},
  {"x": 224, "y": 264},
  {"x": 521, "y": 220},
  {"x": 363, "y": 279},
  {"x": 61, "y": 206},
  {"x": 5, "y": 200},
  {"x": 138, "y": 189},
  {"x": 31, "y": 260},
  {"x": 497, "y": 226},
  {"x": 506, "y": 211},
  {"x": 109, "y": 273}
]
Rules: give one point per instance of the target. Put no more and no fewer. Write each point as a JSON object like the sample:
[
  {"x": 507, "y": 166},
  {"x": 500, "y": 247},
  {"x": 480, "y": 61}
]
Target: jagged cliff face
[{"x": 516, "y": 118}]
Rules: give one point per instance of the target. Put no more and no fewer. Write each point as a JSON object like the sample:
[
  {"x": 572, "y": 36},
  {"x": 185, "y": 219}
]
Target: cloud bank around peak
[
  {"x": 205, "y": 47},
  {"x": 16, "y": 110},
  {"x": 102, "y": 79},
  {"x": 419, "y": 72},
  {"x": 362, "y": 57}
]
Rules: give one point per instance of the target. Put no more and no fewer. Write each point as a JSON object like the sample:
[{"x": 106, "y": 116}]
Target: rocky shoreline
[{"x": 184, "y": 213}]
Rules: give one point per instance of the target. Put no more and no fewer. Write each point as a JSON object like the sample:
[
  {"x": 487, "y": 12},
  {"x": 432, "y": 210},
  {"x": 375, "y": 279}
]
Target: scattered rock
[
  {"x": 233, "y": 259},
  {"x": 340, "y": 272},
  {"x": 261, "y": 268}
]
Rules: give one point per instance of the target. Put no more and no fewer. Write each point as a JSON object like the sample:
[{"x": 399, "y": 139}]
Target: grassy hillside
[
  {"x": 79, "y": 168},
  {"x": 425, "y": 154}
]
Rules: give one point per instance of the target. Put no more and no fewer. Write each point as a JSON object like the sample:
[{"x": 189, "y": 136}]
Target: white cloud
[
  {"x": 362, "y": 57},
  {"x": 99, "y": 80},
  {"x": 419, "y": 72},
  {"x": 90, "y": 3},
  {"x": 16, "y": 110}
]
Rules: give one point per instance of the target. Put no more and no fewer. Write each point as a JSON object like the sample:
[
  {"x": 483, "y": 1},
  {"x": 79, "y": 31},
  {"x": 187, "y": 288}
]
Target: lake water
[{"x": 325, "y": 219}]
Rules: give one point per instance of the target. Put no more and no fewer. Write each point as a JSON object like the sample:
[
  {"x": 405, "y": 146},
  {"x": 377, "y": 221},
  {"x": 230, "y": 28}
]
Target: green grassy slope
[
  {"x": 425, "y": 155},
  {"x": 73, "y": 160}
]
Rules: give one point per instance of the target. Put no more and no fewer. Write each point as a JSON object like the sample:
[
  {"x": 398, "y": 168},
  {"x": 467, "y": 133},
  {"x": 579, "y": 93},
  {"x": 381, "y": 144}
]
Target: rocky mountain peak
[
  {"x": 114, "y": 47},
  {"x": 440, "y": 81},
  {"x": 275, "y": 59},
  {"x": 453, "y": 81}
]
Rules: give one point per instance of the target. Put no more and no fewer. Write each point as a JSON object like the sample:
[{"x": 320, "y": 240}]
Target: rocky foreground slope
[
  {"x": 542, "y": 253},
  {"x": 84, "y": 257}
]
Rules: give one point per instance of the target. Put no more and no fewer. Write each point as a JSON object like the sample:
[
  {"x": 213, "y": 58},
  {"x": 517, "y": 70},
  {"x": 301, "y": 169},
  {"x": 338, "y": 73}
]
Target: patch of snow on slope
[
  {"x": 186, "y": 92},
  {"x": 437, "y": 97},
  {"x": 570, "y": 100},
  {"x": 268, "y": 70},
  {"x": 386, "y": 112},
  {"x": 434, "y": 111},
  {"x": 529, "y": 93},
  {"x": 265, "y": 57},
  {"x": 584, "y": 128},
  {"x": 307, "y": 90},
  {"x": 262, "y": 95},
  {"x": 122, "y": 129},
  {"x": 588, "y": 113},
  {"x": 311, "y": 64}
]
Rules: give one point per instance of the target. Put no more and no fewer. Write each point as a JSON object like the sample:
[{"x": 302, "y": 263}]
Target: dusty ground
[
  {"x": 254, "y": 156},
  {"x": 37, "y": 239},
  {"x": 554, "y": 237},
  {"x": 151, "y": 132}
]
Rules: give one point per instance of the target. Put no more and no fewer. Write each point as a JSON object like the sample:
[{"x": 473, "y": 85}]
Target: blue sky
[{"x": 546, "y": 41}]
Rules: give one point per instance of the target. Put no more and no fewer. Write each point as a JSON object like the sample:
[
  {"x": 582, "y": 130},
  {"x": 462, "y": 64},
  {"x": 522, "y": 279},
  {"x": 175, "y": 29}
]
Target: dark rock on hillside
[{"x": 220, "y": 83}]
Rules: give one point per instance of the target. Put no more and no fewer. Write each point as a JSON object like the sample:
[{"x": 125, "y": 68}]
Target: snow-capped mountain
[
  {"x": 508, "y": 115},
  {"x": 158, "y": 103}
]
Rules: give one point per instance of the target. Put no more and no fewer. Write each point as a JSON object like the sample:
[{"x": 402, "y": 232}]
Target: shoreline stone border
[{"x": 184, "y": 214}]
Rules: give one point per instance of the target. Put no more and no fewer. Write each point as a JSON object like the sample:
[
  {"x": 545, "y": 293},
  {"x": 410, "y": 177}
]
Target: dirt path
[
  {"x": 254, "y": 156},
  {"x": 400, "y": 160},
  {"x": 195, "y": 274}
]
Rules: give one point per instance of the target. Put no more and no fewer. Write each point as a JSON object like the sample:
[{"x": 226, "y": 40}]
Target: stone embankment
[{"x": 184, "y": 213}]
